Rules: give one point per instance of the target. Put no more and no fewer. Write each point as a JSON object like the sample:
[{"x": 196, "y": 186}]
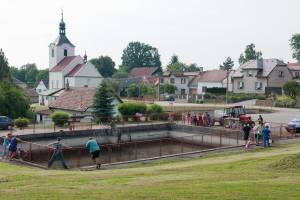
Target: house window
[
  {"x": 204, "y": 88},
  {"x": 182, "y": 91},
  {"x": 249, "y": 73},
  {"x": 183, "y": 81},
  {"x": 297, "y": 74},
  {"x": 281, "y": 74},
  {"x": 52, "y": 53},
  {"x": 241, "y": 85},
  {"x": 161, "y": 80},
  {"x": 172, "y": 80},
  {"x": 258, "y": 85},
  {"x": 40, "y": 90},
  {"x": 65, "y": 52}
]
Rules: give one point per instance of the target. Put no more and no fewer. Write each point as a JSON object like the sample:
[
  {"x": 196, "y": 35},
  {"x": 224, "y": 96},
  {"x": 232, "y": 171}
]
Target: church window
[
  {"x": 65, "y": 52},
  {"x": 52, "y": 53}
]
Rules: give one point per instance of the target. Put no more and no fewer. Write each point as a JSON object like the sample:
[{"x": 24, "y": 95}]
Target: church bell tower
[{"x": 61, "y": 47}]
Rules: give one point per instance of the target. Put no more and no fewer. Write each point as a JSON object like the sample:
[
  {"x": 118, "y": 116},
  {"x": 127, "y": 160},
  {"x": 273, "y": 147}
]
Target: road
[{"x": 279, "y": 115}]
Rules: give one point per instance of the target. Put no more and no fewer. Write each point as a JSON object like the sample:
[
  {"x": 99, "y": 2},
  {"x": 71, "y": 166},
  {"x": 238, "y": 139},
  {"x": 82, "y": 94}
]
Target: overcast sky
[{"x": 198, "y": 31}]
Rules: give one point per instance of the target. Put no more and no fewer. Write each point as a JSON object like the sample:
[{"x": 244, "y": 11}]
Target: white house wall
[
  {"x": 41, "y": 87},
  {"x": 88, "y": 70},
  {"x": 56, "y": 80},
  {"x": 86, "y": 81}
]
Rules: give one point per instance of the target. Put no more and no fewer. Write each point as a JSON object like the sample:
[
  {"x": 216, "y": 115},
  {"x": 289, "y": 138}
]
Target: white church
[{"x": 66, "y": 69}]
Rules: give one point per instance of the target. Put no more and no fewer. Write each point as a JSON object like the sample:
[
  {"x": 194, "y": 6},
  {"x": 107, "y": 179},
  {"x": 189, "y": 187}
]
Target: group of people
[
  {"x": 10, "y": 144},
  {"x": 254, "y": 132},
  {"x": 92, "y": 146},
  {"x": 197, "y": 119}
]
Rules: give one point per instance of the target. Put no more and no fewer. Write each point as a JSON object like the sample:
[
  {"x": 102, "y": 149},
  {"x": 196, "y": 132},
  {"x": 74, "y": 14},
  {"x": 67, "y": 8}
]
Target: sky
[{"x": 198, "y": 31}]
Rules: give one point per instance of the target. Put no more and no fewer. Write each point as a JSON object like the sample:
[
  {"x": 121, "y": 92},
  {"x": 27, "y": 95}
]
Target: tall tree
[
  {"x": 291, "y": 88},
  {"x": 138, "y": 54},
  {"x": 44, "y": 73},
  {"x": 249, "y": 54},
  {"x": 193, "y": 68},
  {"x": 174, "y": 59},
  {"x": 4, "y": 67},
  {"x": 176, "y": 66},
  {"x": 105, "y": 65},
  {"x": 103, "y": 107},
  {"x": 295, "y": 45},
  {"x": 227, "y": 64}
]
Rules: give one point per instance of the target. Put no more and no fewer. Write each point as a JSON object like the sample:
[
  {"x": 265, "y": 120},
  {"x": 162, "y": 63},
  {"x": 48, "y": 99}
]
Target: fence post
[
  {"x": 30, "y": 152},
  {"x": 49, "y": 156},
  {"x": 78, "y": 157},
  {"x": 220, "y": 138},
  {"x": 109, "y": 154},
  {"x": 135, "y": 148},
  {"x": 280, "y": 132},
  {"x": 181, "y": 146},
  {"x": 160, "y": 146},
  {"x": 237, "y": 138}
]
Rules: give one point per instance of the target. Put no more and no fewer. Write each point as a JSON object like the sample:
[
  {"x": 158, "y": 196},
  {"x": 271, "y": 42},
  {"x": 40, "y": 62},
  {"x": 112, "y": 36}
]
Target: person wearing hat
[
  {"x": 57, "y": 154},
  {"x": 266, "y": 135},
  {"x": 94, "y": 150}
]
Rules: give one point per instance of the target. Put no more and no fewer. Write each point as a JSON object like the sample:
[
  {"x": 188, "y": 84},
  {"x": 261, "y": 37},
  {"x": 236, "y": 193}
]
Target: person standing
[
  {"x": 12, "y": 148},
  {"x": 94, "y": 150},
  {"x": 260, "y": 120},
  {"x": 5, "y": 145},
  {"x": 246, "y": 129},
  {"x": 266, "y": 136},
  {"x": 57, "y": 154}
]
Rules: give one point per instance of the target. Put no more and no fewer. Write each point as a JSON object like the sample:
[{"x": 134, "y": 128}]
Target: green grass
[{"x": 236, "y": 175}]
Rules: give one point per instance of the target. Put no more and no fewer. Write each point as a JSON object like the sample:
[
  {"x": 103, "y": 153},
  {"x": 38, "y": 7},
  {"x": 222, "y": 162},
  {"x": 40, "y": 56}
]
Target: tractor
[{"x": 236, "y": 113}]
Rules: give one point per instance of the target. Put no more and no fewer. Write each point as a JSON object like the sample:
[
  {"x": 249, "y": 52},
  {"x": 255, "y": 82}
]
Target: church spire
[{"x": 62, "y": 25}]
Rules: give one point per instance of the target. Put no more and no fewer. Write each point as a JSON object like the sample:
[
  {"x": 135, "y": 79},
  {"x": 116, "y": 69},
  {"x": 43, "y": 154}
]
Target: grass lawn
[{"x": 238, "y": 175}]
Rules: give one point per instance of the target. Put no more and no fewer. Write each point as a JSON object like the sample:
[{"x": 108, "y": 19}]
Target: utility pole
[{"x": 227, "y": 77}]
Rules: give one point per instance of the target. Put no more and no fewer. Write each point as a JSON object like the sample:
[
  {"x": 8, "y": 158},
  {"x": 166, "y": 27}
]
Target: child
[
  {"x": 5, "y": 145},
  {"x": 248, "y": 144}
]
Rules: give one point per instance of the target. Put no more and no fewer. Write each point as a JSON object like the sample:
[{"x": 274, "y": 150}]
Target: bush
[
  {"x": 291, "y": 89},
  {"x": 130, "y": 108},
  {"x": 209, "y": 96},
  {"x": 60, "y": 118},
  {"x": 285, "y": 101},
  {"x": 216, "y": 90},
  {"x": 21, "y": 122}
]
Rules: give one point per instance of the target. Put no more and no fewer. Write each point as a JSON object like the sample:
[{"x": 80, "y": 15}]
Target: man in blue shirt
[
  {"x": 266, "y": 136},
  {"x": 94, "y": 150}
]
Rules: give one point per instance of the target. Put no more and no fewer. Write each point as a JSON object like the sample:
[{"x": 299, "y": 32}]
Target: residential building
[
  {"x": 43, "y": 85},
  {"x": 180, "y": 80},
  {"x": 18, "y": 83},
  {"x": 295, "y": 70},
  {"x": 32, "y": 95},
  {"x": 261, "y": 76},
  {"x": 79, "y": 101},
  {"x": 213, "y": 79}
]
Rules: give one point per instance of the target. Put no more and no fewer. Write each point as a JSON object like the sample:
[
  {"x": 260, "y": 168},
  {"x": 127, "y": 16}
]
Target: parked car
[
  {"x": 294, "y": 125},
  {"x": 6, "y": 123},
  {"x": 170, "y": 97}
]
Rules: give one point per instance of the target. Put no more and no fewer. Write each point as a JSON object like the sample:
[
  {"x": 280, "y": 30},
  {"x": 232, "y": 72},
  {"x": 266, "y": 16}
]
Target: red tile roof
[
  {"x": 213, "y": 76},
  {"x": 75, "y": 70},
  {"x": 75, "y": 99},
  {"x": 143, "y": 71},
  {"x": 294, "y": 66},
  {"x": 63, "y": 64}
]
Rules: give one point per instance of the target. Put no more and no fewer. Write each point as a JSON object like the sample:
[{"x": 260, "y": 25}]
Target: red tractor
[{"x": 237, "y": 114}]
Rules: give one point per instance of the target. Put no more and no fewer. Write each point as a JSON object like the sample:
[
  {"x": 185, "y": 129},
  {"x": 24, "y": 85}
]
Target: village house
[
  {"x": 213, "y": 79},
  {"x": 79, "y": 102},
  {"x": 261, "y": 76},
  {"x": 295, "y": 70},
  {"x": 180, "y": 80}
]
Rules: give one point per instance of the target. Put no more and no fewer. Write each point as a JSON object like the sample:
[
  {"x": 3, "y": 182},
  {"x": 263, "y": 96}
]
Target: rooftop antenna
[{"x": 62, "y": 14}]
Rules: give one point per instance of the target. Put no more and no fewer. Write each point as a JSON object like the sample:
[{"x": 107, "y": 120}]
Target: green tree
[
  {"x": 192, "y": 68},
  {"x": 44, "y": 73},
  {"x": 105, "y": 65},
  {"x": 174, "y": 59},
  {"x": 168, "y": 88},
  {"x": 249, "y": 54},
  {"x": 122, "y": 72},
  {"x": 12, "y": 101},
  {"x": 227, "y": 64},
  {"x": 291, "y": 89},
  {"x": 295, "y": 45},
  {"x": 147, "y": 90},
  {"x": 4, "y": 67},
  {"x": 103, "y": 107},
  {"x": 113, "y": 84},
  {"x": 138, "y": 54},
  {"x": 133, "y": 90},
  {"x": 60, "y": 118}
]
